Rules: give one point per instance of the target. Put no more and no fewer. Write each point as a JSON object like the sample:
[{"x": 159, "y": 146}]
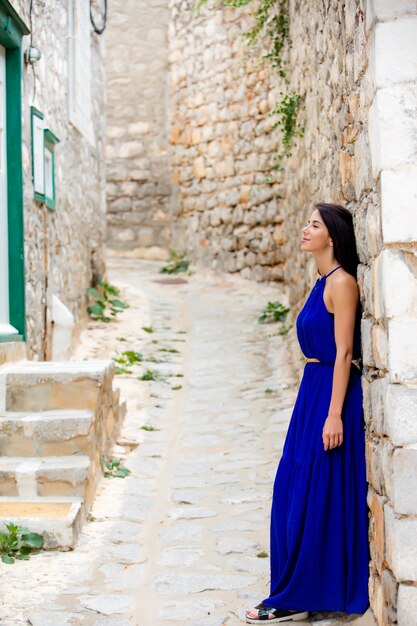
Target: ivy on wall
[{"x": 271, "y": 24}]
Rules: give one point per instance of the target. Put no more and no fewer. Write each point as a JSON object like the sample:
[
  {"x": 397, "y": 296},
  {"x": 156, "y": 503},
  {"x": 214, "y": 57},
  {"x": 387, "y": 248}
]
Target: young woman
[{"x": 319, "y": 522}]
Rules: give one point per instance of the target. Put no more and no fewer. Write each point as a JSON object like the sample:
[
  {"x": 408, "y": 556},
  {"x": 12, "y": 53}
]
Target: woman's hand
[{"x": 332, "y": 432}]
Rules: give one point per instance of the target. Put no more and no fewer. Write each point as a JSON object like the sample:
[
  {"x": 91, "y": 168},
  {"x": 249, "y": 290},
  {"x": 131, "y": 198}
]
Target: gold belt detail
[{"x": 355, "y": 362}]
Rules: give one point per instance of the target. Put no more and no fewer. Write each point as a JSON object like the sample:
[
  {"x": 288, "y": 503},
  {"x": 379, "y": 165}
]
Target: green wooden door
[{"x": 12, "y": 280}]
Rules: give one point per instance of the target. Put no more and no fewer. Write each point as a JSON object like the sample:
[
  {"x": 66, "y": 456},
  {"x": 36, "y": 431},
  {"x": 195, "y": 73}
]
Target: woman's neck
[{"x": 325, "y": 262}]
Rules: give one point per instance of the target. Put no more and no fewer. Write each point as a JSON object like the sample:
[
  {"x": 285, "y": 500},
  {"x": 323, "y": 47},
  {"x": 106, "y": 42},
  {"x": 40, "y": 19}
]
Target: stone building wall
[
  {"x": 138, "y": 177},
  {"x": 224, "y": 213},
  {"x": 389, "y": 327},
  {"x": 63, "y": 248}
]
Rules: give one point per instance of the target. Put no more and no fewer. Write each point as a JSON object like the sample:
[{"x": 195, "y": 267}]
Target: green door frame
[{"x": 12, "y": 29}]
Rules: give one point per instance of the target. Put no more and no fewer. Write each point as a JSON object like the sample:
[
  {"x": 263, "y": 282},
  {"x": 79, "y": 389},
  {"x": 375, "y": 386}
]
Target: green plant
[
  {"x": 150, "y": 375},
  {"x": 148, "y": 329},
  {"x": 106, "y": 301},
  {"x": 273, "y": 312},
  {"x": 148, "y": 428},
  {"x": 271, "y": 26},
  {"x": 262, "y": 555},
  {"x": 269, "y": 390},
  {"x": 287, "y": 111},
  {"x": 175, "y": 264},
  {"x": 126, "y": 359},
  {"x": 114, "y": 469},
  {"x": 18, "y": 543},
  {"x": 176, "y": 387}
]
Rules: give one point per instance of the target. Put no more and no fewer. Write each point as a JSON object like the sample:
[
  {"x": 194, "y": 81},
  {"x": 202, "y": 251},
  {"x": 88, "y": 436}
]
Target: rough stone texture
[
  {"x": 222, "y": 148},
  {"x": 63, "y": 248},
  {"x": 389, "y": 289},
  {"x": 138, "y": 178}
]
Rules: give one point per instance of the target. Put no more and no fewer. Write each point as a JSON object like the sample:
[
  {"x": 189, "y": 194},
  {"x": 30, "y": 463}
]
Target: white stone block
[
  {"x": 399, "y": 205},
  {"x": 404, "y": 480},
  {"x": 373, "y": 229},
  {"x": 400, "y": 414},
  {"x": 395, "y": 50},
  {"x": 402, "y": 350},
  {"x": 378, "y": 390},
  {"x": 362, "y": 166},
  {"x": 407, "y": 605},
  {"x": 366, "y": 335},
  {"x": 394, "y": 286},
  {"x": 387, "y": 9},
  {"x": 392, "y": 127},
  {"x": 380, "y": 346},
  {"x": 401, "y": 544}
]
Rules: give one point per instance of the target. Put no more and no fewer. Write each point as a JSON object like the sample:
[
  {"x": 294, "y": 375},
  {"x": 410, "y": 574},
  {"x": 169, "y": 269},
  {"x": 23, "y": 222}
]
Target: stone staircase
[{"x": 57, "y": 421}]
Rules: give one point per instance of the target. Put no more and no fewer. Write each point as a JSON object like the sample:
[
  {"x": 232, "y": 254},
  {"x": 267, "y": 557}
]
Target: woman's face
[{"x": 315, "y": 235}]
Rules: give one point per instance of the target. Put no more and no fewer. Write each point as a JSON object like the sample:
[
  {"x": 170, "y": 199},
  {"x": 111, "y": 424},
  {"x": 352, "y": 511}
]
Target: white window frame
[
  {"x": 38, "y": 151},
  {"x": 50, "y": 141},
  {"x": 79, "y": 67}
]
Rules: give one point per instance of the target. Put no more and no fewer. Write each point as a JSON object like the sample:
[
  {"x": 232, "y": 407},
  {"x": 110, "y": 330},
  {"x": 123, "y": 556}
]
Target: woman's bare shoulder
[{"x": 343, "y": 283}]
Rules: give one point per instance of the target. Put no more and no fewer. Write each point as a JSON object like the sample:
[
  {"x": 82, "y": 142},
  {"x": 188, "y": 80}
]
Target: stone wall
[
  {"x": 390, "y": 322},
  {"x": 63, "y": 248},
  {"x": 138, "y": 189},
  {"x": 220, "y": 102},
  {"x": 223, "y": 212}
]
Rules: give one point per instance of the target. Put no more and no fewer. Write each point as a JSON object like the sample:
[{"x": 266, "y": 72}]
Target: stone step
[
  {"x": 59, "y": 520},
  {"x": 34, "y": 477},
  {"x": 49, "y": 385},
  {"x": 46, "y": 433}
]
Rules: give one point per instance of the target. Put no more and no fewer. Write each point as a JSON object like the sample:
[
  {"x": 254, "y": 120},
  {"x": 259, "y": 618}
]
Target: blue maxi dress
[{"x": 319, "y": 522}]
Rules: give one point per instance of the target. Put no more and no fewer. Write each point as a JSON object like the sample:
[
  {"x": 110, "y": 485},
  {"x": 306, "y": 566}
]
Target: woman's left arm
[{"x": 344, "y": 298}]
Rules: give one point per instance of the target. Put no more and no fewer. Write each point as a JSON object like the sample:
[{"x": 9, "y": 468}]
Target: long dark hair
[{"x": 339, "y": 223}]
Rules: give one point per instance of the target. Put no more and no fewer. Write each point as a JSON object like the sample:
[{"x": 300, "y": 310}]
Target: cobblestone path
[{"x": 182, "y": 540}]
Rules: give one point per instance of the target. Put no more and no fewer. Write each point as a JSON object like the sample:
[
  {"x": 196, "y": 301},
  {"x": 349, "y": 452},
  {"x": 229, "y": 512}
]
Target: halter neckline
[
  {"x": 323, "y": 278},
  {"x": 333, "y": 270}
]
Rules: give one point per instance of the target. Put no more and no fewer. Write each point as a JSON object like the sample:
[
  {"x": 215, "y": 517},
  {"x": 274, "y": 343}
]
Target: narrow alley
[{"x": 184, "y": 538}]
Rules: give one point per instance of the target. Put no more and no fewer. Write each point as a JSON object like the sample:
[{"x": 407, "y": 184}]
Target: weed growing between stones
[
  {"x": 148, "y": 428},
  {"x": 126, "y": 360},
  {"x": 18, "y": 543},
  {"x": 273, "y": 312},
  {"x": 148, "y": 329},
  {"x": 114, "y": 469},
  {"x": 272, "y": 27},
  {"x": 175, "y": 264},
  {"x": 150, "y": 375},
  {"x": 106, "y": 302},
  {"x": 262, "y": 555}
]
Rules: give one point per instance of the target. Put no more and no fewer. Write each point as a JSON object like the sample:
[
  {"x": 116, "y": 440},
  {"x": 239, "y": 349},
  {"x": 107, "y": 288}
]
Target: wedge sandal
[{"x": 275, "y": 616}]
